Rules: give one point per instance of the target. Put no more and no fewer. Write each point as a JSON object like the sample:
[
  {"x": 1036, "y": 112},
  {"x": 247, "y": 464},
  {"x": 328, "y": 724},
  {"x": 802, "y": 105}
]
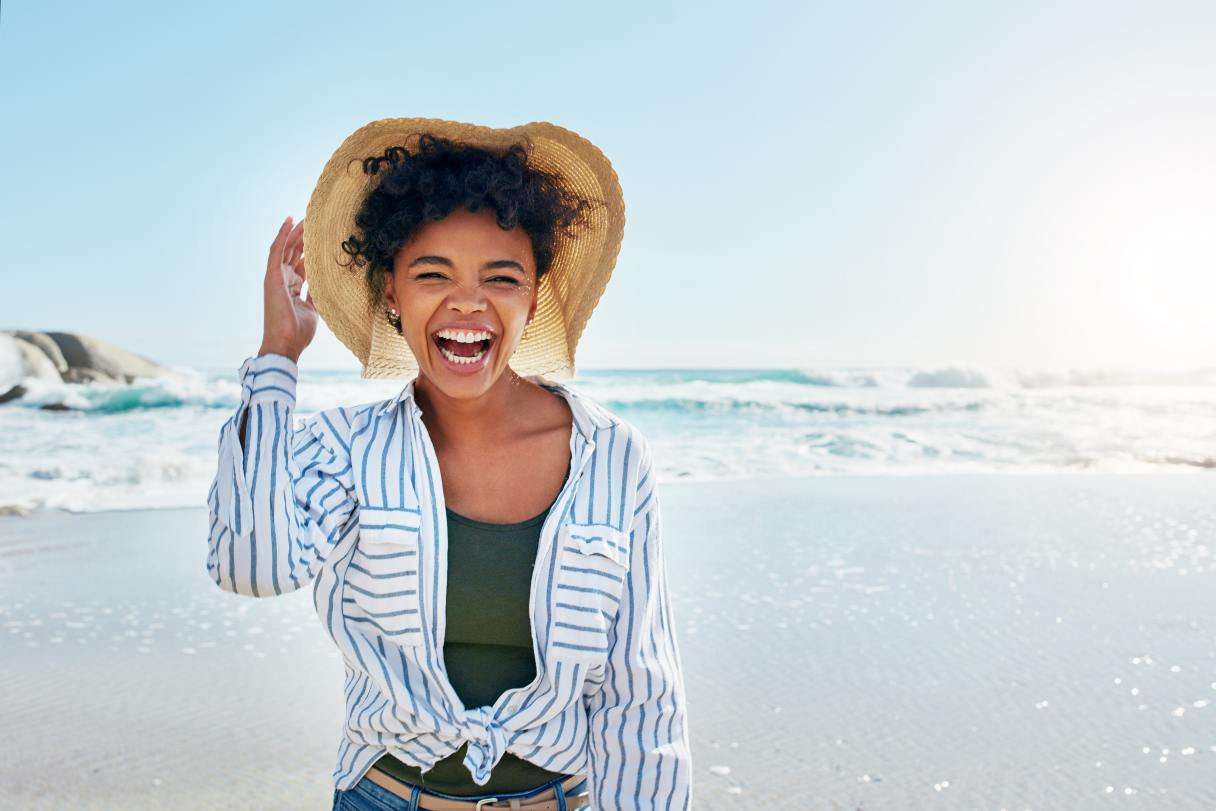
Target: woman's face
[{"x": 463, "y": 276}]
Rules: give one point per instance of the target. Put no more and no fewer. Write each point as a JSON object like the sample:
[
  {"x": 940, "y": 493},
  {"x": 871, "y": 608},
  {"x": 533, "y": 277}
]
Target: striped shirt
[{"x": 352, "y": 502}]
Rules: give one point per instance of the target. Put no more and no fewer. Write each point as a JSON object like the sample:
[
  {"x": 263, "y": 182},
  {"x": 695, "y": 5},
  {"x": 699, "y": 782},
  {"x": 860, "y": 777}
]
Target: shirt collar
[{"x": 588, "y": 414}]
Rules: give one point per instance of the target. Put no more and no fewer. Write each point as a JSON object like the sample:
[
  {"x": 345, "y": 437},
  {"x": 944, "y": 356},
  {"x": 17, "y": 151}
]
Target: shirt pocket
[
  {"x": 382, "y": 577},
  {"x": 592, "y": 562}
]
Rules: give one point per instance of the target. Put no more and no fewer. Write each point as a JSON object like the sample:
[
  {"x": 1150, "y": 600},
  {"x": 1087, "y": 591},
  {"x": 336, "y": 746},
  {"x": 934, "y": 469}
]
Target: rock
[
  {"x": 46, "y": 344},
  {"x": 83, "y": 351},
  {"x": 65, "y": 357},
  {"x": 15, "y": 393},
  {"x": 35, "y": 359},
  {"x": 83, "y": 374}
]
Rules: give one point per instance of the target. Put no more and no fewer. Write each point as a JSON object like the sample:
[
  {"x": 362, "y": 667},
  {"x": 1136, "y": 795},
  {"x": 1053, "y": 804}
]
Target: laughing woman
[{"x": 485, "y": 547}]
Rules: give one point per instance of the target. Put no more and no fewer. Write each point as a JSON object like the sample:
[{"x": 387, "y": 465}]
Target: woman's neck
[{"x": 472, "y": 422}]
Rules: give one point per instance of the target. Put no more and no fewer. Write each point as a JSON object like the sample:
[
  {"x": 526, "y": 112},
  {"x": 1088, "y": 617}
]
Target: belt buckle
[{"x": 480, "y": 803}]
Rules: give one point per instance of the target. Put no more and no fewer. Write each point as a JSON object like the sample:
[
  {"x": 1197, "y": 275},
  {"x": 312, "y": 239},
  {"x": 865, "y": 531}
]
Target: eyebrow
[{"x": 494, "y": 264}]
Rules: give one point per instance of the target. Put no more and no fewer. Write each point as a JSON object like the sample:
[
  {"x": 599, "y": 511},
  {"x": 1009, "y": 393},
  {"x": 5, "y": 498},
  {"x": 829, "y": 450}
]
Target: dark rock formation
[{"x": 68, "y": 358}]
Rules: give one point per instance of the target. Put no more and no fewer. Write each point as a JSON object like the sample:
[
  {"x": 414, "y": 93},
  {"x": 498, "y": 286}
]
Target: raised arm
[
  {"x": 281, "y": 498},
  {"x": 638, "y": 733}
]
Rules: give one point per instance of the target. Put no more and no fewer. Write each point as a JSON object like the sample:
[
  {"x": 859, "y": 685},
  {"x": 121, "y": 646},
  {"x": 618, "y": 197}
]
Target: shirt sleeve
[
  {"x": 637, "y": 735},
  {"x": 279, "y": 505}
]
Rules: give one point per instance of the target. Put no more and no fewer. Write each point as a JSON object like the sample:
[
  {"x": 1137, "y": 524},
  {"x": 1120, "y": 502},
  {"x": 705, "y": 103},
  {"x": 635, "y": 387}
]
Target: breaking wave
[{"x": 152, "y": 443}]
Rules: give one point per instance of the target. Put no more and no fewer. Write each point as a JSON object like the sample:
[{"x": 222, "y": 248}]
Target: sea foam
[{"x": 153, "y": 443}]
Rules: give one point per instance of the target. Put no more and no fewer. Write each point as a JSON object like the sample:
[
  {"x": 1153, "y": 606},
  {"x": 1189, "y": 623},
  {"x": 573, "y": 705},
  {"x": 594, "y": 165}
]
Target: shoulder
[
  {"x": 626, "y": 458},
  {"x": 625, "y": 440},
  {"x": 617, "y": 439}
]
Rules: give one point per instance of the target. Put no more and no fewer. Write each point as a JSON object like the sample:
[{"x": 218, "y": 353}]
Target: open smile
[{"x": 463, "y": 350}]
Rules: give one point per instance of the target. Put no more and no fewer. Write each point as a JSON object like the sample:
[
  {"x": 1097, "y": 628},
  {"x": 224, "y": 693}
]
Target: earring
[{"x": 394, "y": 320}]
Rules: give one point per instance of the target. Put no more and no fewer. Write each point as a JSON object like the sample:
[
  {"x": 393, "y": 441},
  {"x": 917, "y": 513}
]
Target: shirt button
[{"x": 512, "y": 707}]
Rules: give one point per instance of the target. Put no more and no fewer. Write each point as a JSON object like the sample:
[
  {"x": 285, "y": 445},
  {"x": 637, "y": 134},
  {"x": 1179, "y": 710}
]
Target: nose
[{"x": 467, "y": 299}]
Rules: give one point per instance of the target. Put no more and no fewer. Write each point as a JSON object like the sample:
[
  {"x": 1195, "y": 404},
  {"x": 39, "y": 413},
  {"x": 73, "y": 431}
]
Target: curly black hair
[{"x": 428, "y": 184}]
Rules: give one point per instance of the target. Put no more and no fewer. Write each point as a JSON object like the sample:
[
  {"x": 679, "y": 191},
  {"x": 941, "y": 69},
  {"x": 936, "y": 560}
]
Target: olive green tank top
[{"x": 487, "y": 645}]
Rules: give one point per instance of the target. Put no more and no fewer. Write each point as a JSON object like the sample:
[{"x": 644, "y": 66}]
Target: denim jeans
[{"x": 368, "y": 796}]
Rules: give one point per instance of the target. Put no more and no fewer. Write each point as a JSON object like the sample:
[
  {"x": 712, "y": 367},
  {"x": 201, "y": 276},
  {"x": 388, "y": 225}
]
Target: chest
[
  {"x": 508, "y": 482},
  {"x": 395, "y": 580}
]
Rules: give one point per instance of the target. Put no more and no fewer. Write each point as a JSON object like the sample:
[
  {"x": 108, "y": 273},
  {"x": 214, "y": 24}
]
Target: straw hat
[{"x": 566, "y": 295}]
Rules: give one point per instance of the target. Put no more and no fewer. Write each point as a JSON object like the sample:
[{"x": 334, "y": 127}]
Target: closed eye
[{"x": 510, "y": 279}]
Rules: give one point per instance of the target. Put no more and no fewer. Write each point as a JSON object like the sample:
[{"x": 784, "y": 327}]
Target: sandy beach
[{"x": 954, "y": 642}]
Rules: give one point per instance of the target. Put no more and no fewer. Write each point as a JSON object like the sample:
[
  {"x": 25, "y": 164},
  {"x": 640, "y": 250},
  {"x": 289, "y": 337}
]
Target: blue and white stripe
[{"x": 352, "y": 502}]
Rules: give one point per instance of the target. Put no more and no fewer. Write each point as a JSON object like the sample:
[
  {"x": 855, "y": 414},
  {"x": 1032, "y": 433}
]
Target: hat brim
[{"x": 567, "y": 294}]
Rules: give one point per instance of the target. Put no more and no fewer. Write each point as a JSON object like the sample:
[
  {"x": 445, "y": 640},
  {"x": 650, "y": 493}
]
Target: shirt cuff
[{"x": 269, "y": 378}]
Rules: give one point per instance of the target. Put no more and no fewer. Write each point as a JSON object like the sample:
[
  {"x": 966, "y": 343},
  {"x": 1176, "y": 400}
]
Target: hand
[{"x": 290, "y": 322}]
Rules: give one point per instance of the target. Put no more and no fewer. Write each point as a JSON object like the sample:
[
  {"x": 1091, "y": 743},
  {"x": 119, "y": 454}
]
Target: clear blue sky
[{"x": 857, "y": 183}]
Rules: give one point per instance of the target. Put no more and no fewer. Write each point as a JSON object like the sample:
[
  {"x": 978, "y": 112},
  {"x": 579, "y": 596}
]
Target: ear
[{"x": 390, "y": 295}]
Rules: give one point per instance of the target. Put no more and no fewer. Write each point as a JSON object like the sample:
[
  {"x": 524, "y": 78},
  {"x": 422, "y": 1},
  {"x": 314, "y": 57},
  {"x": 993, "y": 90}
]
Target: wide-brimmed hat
[{"x": 567, "y": 294}]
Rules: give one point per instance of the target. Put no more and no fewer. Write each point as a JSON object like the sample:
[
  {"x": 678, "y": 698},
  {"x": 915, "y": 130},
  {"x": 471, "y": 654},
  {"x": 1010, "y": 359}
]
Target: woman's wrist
[{"x": 277, "y": 349}]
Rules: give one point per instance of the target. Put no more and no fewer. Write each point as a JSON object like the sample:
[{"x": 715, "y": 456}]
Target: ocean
[{"x": 153, "y": 444}]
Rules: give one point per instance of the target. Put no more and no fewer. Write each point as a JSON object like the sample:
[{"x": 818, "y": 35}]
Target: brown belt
[{"x": 544, "y": 801}]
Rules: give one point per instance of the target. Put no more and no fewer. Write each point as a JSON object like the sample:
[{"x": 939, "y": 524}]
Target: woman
[{"x": 484, "y": 547}]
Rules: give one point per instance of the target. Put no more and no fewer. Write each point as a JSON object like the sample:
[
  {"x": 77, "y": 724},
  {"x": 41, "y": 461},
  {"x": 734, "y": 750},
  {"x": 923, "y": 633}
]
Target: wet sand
[{"x": 952, "y": 642}]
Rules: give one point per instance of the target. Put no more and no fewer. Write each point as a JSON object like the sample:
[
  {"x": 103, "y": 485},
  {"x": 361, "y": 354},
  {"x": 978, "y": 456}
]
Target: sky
[{"x": 806, "y": 184}]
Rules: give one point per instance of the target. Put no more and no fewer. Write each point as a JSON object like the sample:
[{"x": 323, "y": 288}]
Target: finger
[
  {"x": 300, "y": 253},
  {"x": 297, "y": 231},
  {"x": 294, "y": 244},
  {"x": 276, "y": 247},
  {"x": 297, "y": 246}
]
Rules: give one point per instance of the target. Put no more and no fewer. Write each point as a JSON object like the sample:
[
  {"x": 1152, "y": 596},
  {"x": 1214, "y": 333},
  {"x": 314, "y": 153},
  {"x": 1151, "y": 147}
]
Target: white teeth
[
  {"x": 464, "y": 336},
  {"x": 460, "y": 358}
]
